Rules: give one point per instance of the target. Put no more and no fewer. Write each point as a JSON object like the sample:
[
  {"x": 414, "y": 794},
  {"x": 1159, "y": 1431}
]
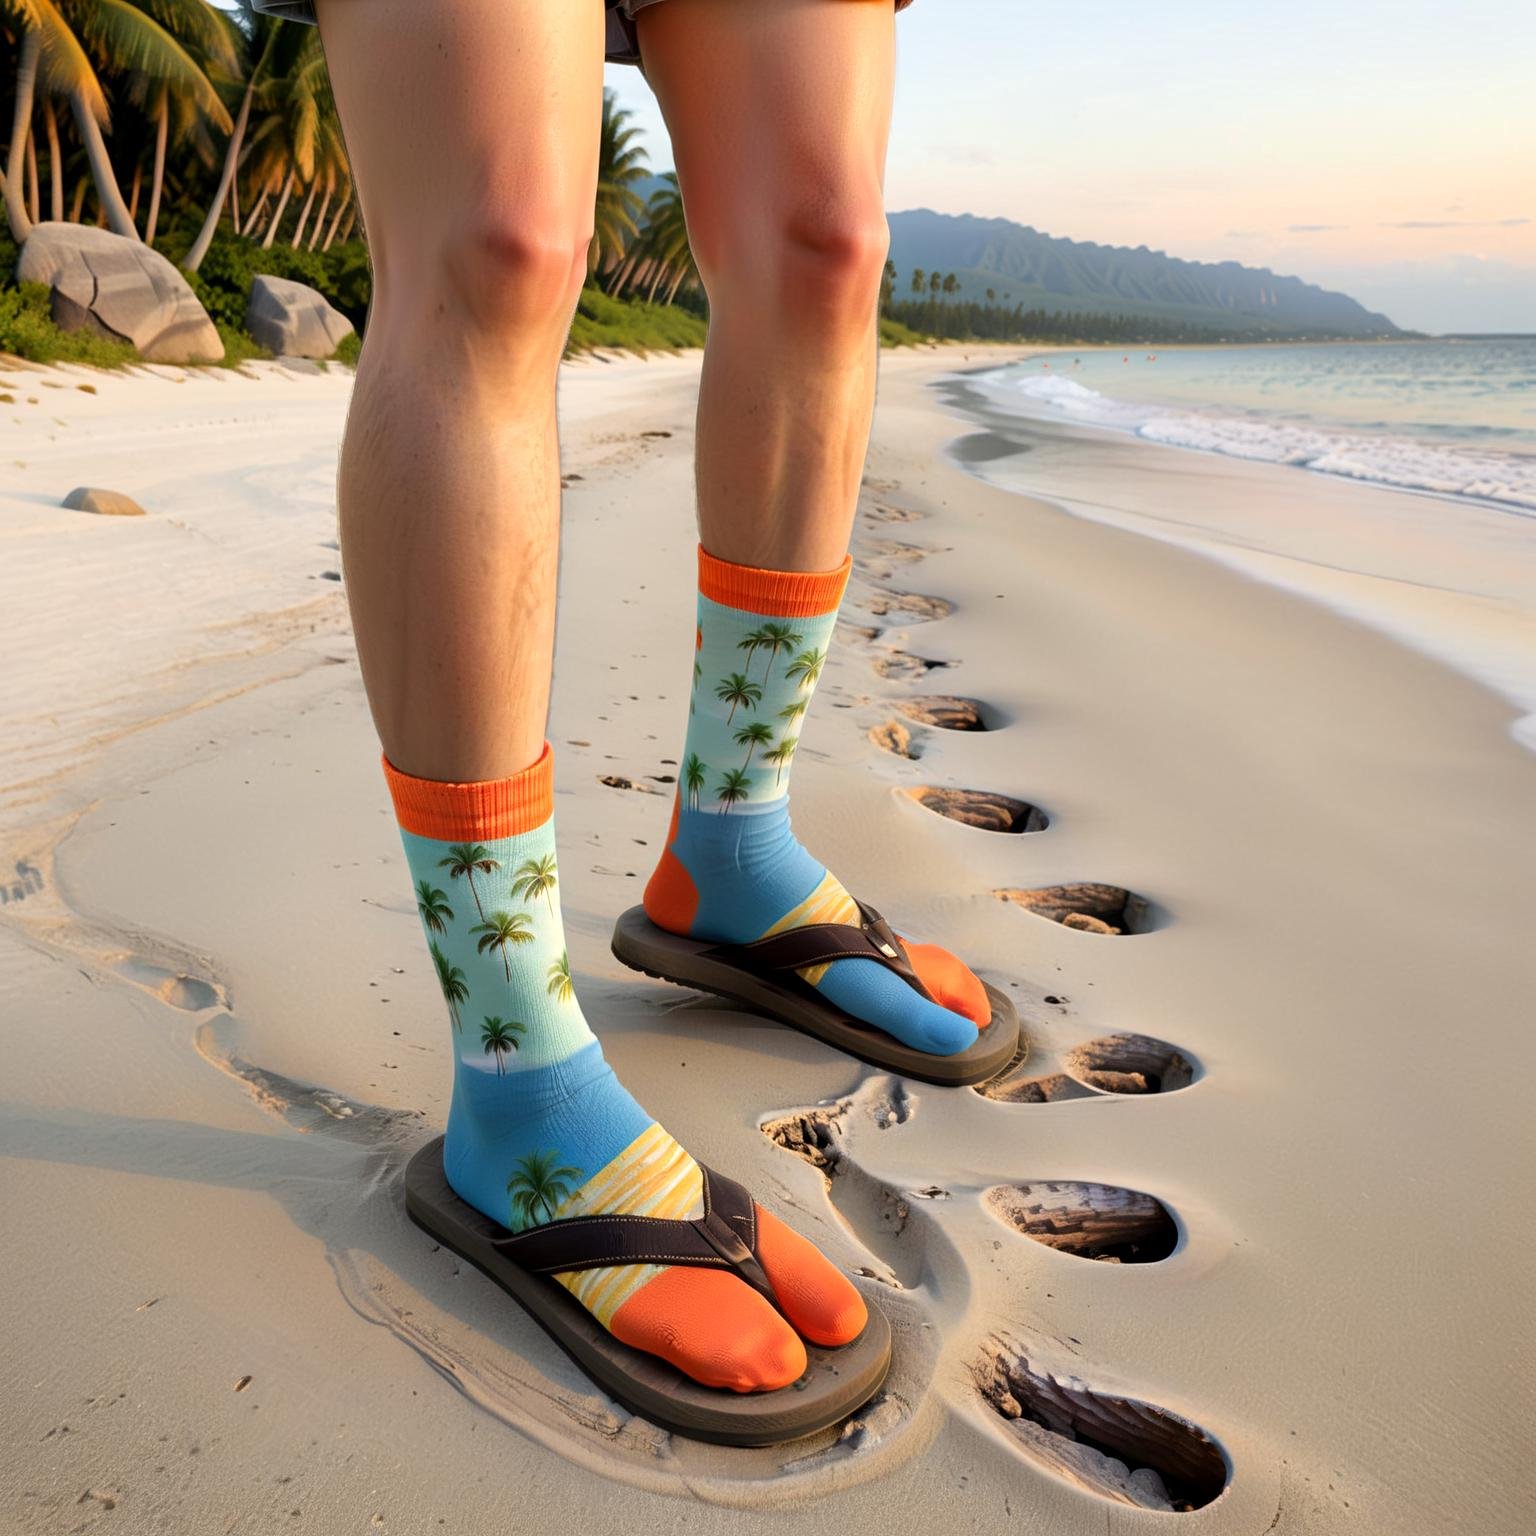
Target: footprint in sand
[
  {"x": 1124, "y": 1450},
  {"x": 985, "y": 809},
  {"x": 949, "y": 712},
  {"x": 1121, "y": 1449},
  {"x": 916, "y": 607},
  {"x": 1116, "y": 1065},
  {"x": 1089, "y": 1221},
  {"x": 901, "y": 665},
  {"x": 1088, "y": 907}
]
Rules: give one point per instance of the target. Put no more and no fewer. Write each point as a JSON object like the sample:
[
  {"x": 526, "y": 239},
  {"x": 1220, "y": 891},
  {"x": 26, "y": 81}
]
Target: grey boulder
[
  {"x": 120, "y": 288},
  {"x": 294, "y": 320}
]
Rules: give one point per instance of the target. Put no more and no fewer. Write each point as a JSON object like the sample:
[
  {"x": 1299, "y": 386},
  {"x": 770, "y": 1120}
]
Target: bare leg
[
  {"x": 472, "y": 126},
  {"x": 779, "y": 112},
  {"x": 472, "y": 129}
]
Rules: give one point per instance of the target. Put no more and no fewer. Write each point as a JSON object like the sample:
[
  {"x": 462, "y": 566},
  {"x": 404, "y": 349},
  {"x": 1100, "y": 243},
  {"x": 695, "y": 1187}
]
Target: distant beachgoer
[{"x": 472, "y": 128}]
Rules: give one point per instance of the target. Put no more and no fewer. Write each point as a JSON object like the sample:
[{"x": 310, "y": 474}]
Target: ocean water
[
  {"x": 1453, "y": 418},
  {"x": 1395, "y": 483}
]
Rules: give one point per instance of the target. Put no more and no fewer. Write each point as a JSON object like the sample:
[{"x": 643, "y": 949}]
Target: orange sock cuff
[
  {"x": 775, "y": 594},
  {"x": 455, "y": 813}
]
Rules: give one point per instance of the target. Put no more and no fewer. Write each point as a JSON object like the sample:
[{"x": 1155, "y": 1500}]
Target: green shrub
[
  {"x": 27, "y": 330},
  {"x": 347, "y": 351},
  {"x": 894, "y": 334},
  {"x": 223, "y": 280},
  {"x": 239, "y": 346},
  {"x": 632, "y": 326}
]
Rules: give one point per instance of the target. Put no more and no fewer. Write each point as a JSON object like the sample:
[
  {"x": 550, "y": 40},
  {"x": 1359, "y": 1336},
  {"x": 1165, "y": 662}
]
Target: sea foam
[{"x": 1404, "y": 463}]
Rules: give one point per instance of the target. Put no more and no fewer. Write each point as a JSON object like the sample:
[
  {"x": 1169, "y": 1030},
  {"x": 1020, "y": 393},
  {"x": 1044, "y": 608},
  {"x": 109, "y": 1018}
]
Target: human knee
[
  {"x": 509, "y": 273},
  {"x": 504, "y": 277},
  {"x": 825, "y": 250}
]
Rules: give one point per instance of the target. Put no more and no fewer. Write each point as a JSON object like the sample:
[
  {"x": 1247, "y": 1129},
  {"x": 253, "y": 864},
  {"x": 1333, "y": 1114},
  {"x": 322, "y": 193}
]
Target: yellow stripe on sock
[
  {"x": 828, "y": 903},
  {"x": 652, "y": 1176}
]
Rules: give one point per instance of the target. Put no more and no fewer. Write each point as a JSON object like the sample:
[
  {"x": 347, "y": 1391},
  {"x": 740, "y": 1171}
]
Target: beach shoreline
[{"x": 224, "y": 1038}]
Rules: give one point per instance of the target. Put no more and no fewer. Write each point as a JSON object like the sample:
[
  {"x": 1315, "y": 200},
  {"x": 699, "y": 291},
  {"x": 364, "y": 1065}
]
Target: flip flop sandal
[
  {"x": 836, "y": 1381},
  {"x": 762, "y": 975}
]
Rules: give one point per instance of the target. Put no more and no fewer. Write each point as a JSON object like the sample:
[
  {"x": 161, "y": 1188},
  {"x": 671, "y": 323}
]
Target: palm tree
[
  {"x": 536, "y": 877},
  {"x": 793, "y": 712},
  {"x": 620, "y": 163},
  {"x": 733, "y": 787},
  {"x": 499, "y": 1036},
  {"x": 464, "y": 859},
  {"x": 919, "y": 279},
  {"x": 539, "y": 1183},
  {"x": 559, "y": 984},
  {"x": 433, "y": 906},
  {"x": 302, "y": 71},
  {"x": 188, "y": 107},
  {"x": 807, "y": 667},
  {"x": 776, "y": 638},
  {"x": 751, "y": 642},
  {"x": 661, "y": 254},
  {"x": 753, "y": 736},
  {"x": 451, "y": 979},
  {"x": 693, "y": 776},
  {"x": 500, "y": 930},
  {"x": 735, "y": 690},
  {"x": 781, "y": 755},
  {"x": 64, "y": 43}
]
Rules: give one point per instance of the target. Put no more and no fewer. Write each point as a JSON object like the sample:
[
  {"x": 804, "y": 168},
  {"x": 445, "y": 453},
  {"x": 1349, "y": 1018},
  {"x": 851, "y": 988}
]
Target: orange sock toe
[
  {"x": 951, "y": 982},
  {"x": 816, "y": 1296},
  {"x": 714, "y": 1328}
]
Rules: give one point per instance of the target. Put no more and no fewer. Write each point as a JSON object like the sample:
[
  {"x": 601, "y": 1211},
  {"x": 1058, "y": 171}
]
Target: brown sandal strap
[
  {"x": 724, "y": 1237},
  {"x": 797, "y": 949}
]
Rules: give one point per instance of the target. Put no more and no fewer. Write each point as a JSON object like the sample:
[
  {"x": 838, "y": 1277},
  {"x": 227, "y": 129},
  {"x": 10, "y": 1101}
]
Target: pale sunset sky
[{"x": 1383, "y": 147}]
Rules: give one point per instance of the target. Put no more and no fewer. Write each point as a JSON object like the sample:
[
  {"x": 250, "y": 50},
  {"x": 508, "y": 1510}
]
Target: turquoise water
[{"x": 1454, "y": 418}]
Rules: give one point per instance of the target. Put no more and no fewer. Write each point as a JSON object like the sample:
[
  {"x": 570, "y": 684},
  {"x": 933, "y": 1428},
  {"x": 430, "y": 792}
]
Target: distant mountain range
[
  {"x": 1047, "y": 272},
  {"x": 1022, "y": 266}
]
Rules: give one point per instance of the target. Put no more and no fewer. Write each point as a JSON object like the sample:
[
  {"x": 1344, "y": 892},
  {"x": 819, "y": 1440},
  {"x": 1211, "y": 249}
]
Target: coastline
[
  {"x": 1451, "y": 577},
  {"x": 222, "y": 923}
]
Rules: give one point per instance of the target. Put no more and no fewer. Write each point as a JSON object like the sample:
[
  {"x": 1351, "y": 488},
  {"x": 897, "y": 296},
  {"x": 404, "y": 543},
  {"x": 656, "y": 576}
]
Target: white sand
[{"x": 221, "y": 1036}]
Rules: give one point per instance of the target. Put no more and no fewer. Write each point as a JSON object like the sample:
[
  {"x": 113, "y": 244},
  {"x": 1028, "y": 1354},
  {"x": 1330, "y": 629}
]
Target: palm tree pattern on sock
[
  {"x": 539, "y": 1128},
  {"x": 733, "y": 870}
]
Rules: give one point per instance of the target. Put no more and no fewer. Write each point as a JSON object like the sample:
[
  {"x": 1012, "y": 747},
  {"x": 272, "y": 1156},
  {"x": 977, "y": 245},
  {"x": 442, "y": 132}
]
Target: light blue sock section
[
  {"x": 749, "y": 870},
  {"x": 533, "y": 1098}
]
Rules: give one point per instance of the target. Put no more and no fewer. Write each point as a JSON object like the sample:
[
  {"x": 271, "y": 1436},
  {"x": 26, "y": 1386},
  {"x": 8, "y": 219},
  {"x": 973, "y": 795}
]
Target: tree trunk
[
  {"x": 79, "y": 202},
  {"x": 253, "y": 223},
  {"x": 234, "y": 203},
  {"x": 102, "y": 174},
  {"x": 325, "y": 208},
  {"x": 298, "y": 234},
  {"x": 34, "y": 201},
  {"x": 55, "y": 162},
  {"x": 346, "y": 229},
  {"x": 157, "y": 181},
  {"x": 336, "y": 222},
  {"x": 134, "y": 190},
  {"x": 277, "y": 216},
  {"x": 194, "y": 258},
  {"x": 26, "y": 86}
]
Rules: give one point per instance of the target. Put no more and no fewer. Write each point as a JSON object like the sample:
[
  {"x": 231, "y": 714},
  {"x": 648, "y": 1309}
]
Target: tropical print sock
[
  {"x": 540, "y": 1128},
  {"x": 733, "y": 870}
]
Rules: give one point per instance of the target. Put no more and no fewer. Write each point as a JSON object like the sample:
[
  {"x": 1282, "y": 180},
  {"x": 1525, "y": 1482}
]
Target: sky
[{"x": 1386, "y": 148}]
